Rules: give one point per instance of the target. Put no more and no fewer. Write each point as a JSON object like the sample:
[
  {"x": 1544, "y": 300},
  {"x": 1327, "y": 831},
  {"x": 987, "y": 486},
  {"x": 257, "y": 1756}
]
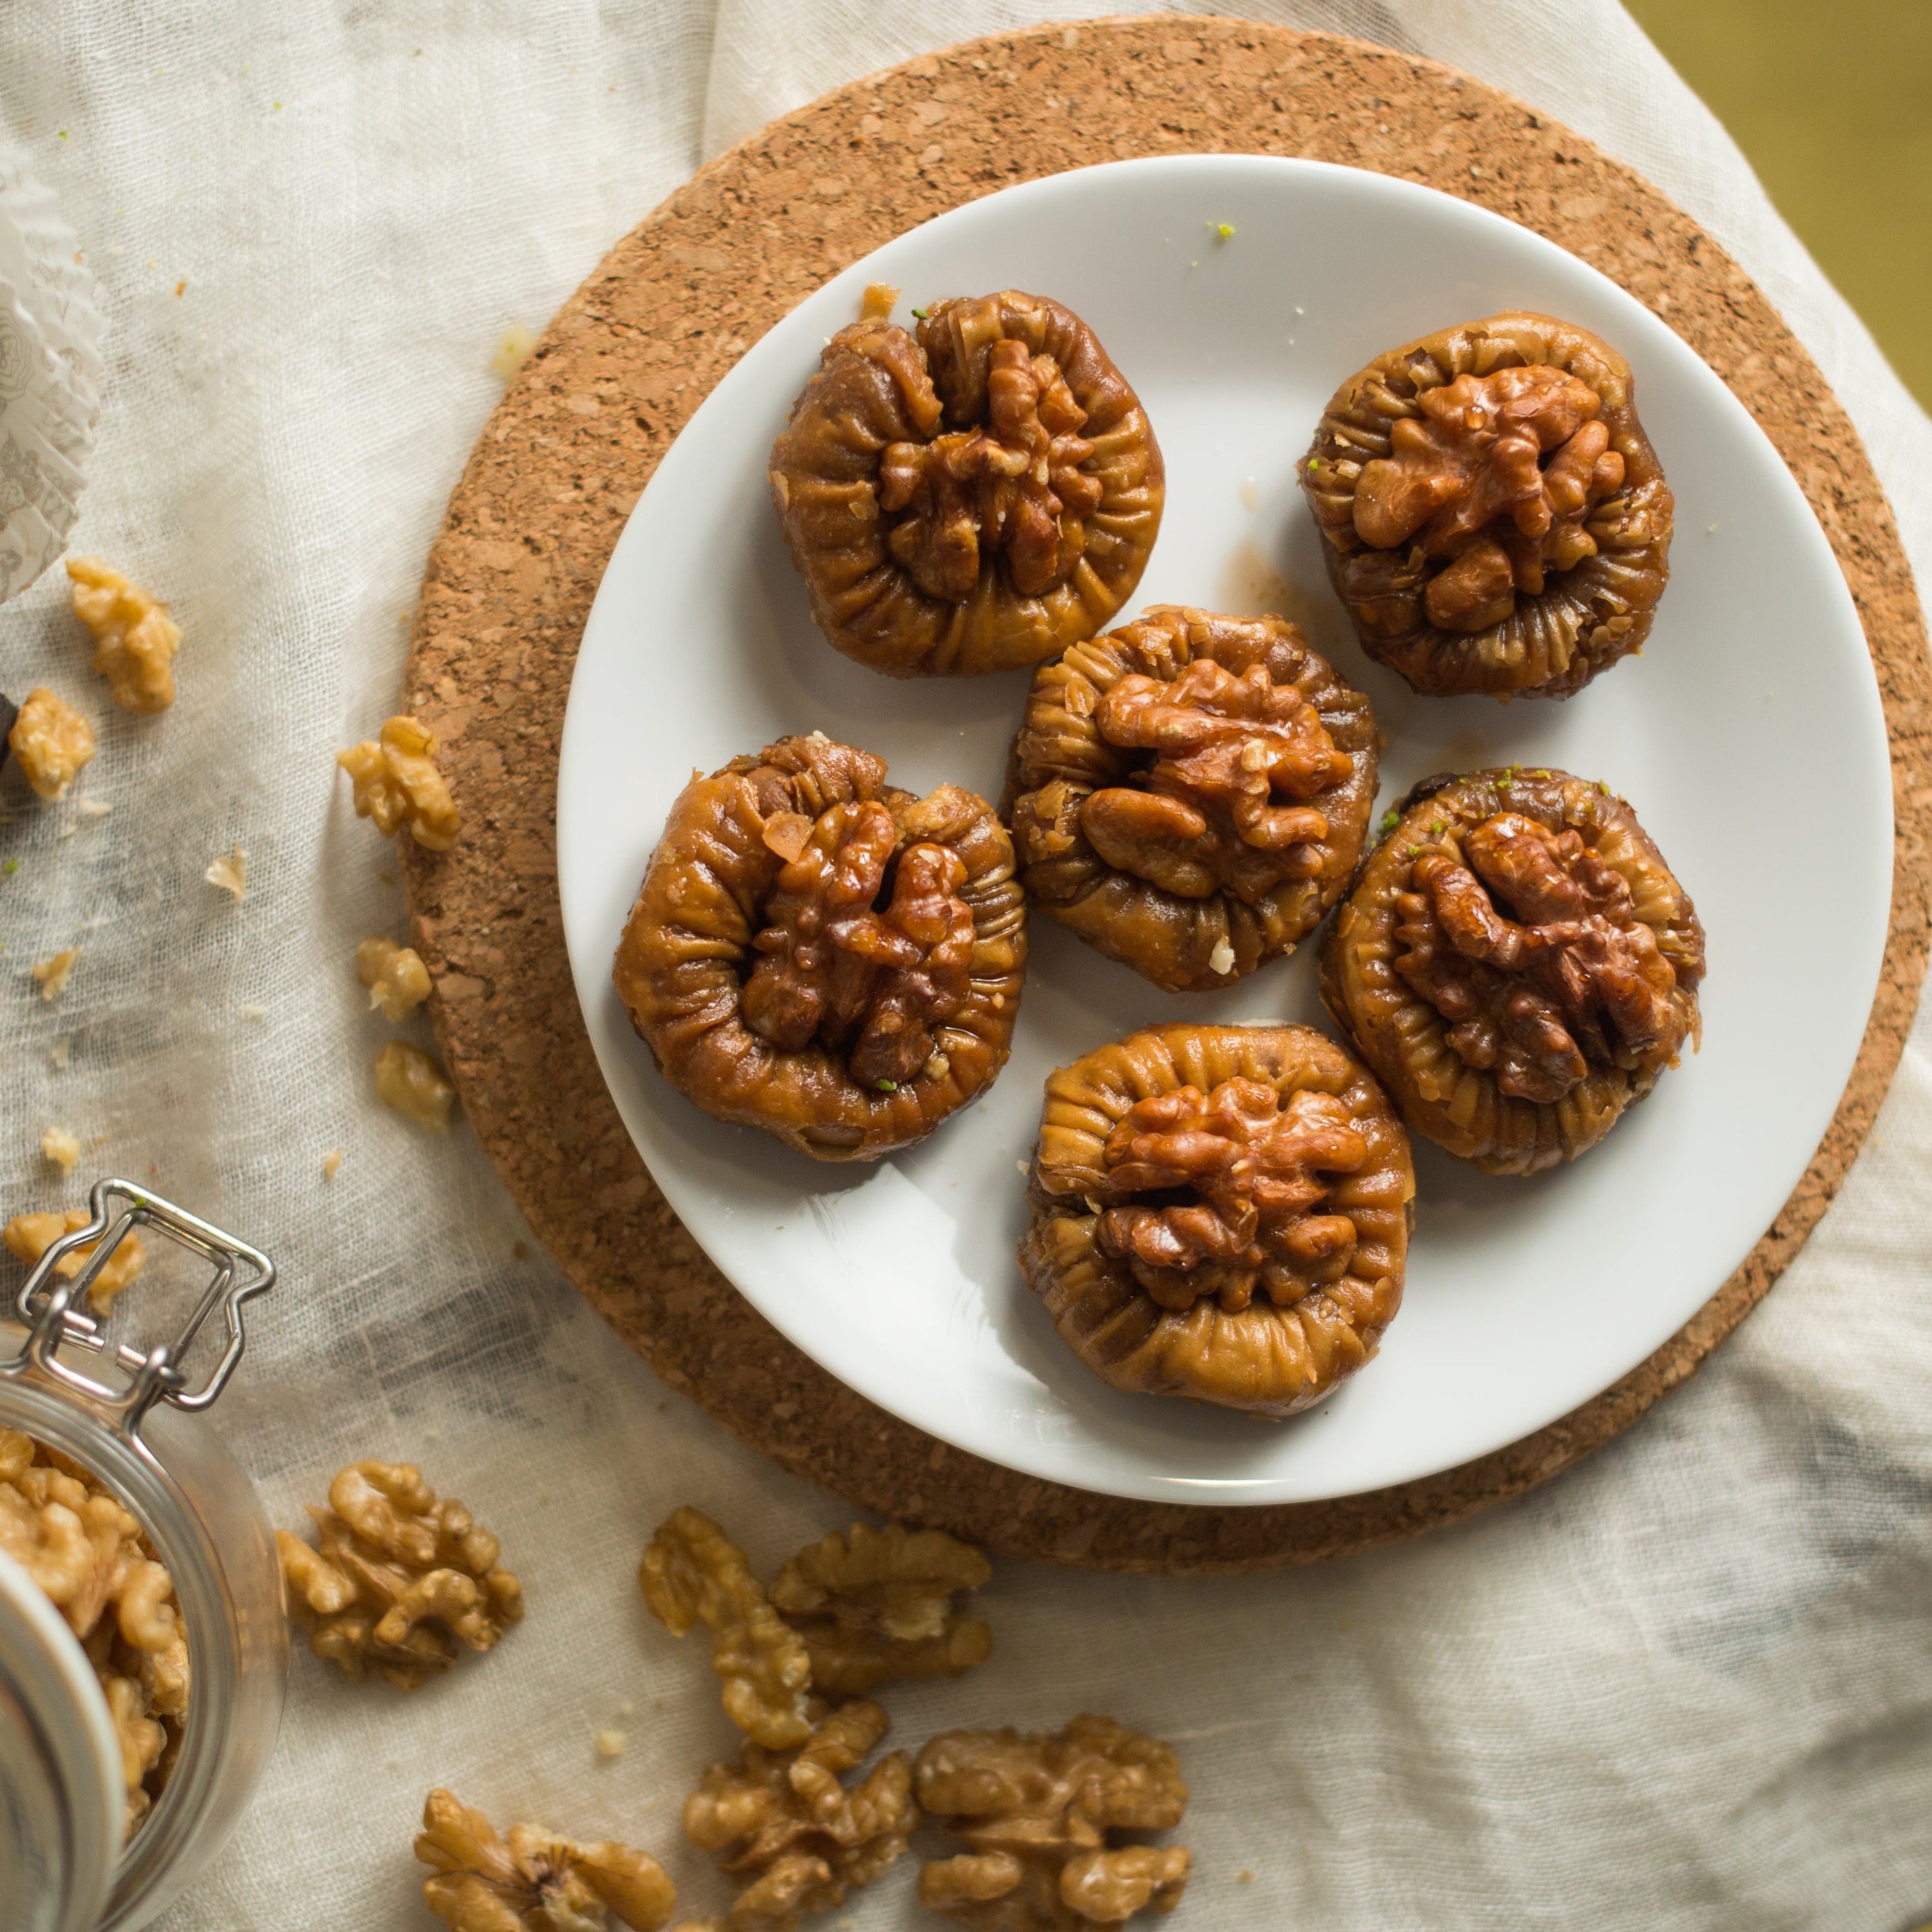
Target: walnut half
[
  {"x": 135, "y": 639},
  {"x": 395, "y": 782},
  {"x": 29, "y": 1236},
  {"x": 1494, "y": 516},
  {"x": 1518, "y": 963},
  {"x": 786, "y": 1821},
  {"x": 51, "y": 741},
  {"x": 875, "y": 1605},
  {"x": 399, "y": 1579},
  {"x": 533, "y": 1879},
  {"x": 1043, "y": 1815}
]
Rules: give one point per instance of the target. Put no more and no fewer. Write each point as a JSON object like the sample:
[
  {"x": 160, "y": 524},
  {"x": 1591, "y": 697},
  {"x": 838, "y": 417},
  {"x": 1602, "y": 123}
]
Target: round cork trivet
[{"x": 511, "y": 579}]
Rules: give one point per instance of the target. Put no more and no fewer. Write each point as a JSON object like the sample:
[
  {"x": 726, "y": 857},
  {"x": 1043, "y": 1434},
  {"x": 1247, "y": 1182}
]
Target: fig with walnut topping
[
  {"x": 1190, "y": 792},
  {"x": 1220, "y": 1212},
  {"x": 817, "y": 953},
  {"x": 1518, "y": 963},
  {"x": 972, "y": 498},
  {"x": 1494, "y": 516}
]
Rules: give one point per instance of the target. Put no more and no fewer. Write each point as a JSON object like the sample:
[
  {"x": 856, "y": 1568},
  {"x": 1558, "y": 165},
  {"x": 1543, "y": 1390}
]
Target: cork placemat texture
[{"x": 511, "y": 578}]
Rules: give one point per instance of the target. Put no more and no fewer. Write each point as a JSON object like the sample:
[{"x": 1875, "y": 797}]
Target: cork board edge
[{"x": 695, "y": 251}]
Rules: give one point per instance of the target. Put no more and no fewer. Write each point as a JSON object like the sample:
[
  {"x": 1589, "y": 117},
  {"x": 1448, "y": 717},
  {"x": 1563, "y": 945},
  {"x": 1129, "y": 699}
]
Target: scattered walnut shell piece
[
  {"x": 29, "y": 1236},
  {"x": 397, "y": 980},
  {"x": 51, "y": 742},
  {"x": 135, "y": 639},
  {"x": 400, "y": 1580},
  {"x": 877, "y": 1604},
  {"x": 788, "y": 1821},
  {"x": 395, "y": 782},
  {"x": 533, "y": 1879},
  {"x": 692, "y": 1571},
  {"x": 91, "y": 1557},
  {"x": 1043, "y": 1815},
  {"x": 408, "y": 1080}
]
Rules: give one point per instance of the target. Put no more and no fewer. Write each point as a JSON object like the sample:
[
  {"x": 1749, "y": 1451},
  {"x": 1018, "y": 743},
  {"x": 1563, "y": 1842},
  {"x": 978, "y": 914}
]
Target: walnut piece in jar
[
  {"x": 1042, "y": 1814},
  {"x": 395, "y": 782},
  {"x": 788, "y": 1821},
  {"x": 972, "y": 499},
  {"x": 29, "y": 1236},
  {"x": 818, "y": 954},
  {"x": 1518, "y": 963},
  {"x": 399, "y": 1579},
  {"x": 410, "y": 1081},
  {"x": 1221, "y": 1213},
  {"x": 532, "y": 1880},
  {"x": 50, "y": 741},
  {"x": 875, "y": 1605},
  {"x": 397, "y": 980},
  {"x": 1494, "y": 516},
  {"x": 1189, "y": 792},
  {"x": 692, "y": 1572},
  {"x": 95, "y": 1564},
  {"x": 135, "y": 639}
]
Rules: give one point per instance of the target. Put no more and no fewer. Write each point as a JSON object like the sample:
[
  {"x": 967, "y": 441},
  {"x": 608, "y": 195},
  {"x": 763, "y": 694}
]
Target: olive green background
[{"x": 1831, "y": 100}]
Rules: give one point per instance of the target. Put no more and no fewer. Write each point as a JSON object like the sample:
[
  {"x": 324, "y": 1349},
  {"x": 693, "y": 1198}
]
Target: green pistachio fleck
[
  {"x": 1391, "y": 819},
  {"x": 12, "y": 866},
  {"x": 1223, "y": 230},
  {"x": 1414, "y": 852},
  {"x": 888, "y": 1086},
  {"x": 1604, "y": 787},
  {"x": 1437, "y": 828},
  {"x": 1314, "y": 463},
  {"x": 920, "y": 313}
]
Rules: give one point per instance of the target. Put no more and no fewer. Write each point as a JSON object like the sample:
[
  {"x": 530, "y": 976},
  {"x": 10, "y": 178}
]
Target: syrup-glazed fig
[
  {"x": 1190, "y": 792},
  {"x": 819, "y": 954},
  {"x": 1492, "y": 514},
  {"x": 971, "y": 497},
  {"x": 1220, "y": 1212},
  {"x": 1518, "y": 963}
]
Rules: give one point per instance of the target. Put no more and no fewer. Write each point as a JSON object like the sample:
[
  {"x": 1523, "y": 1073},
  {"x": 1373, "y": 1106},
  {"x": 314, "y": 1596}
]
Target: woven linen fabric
[{"x": 1688, "y": 1686}]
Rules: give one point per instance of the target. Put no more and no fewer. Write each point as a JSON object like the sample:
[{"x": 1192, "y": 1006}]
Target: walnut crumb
[
  {"x": 52, "y": 975},
  {"x": 513, "y": 351},
  {"x": 61, "y": 1147},
  {"x": 51, "y": 742},
  {"x": 397, "y": 980},
  {"x": 230, "y": 871},
  {"x": 396, "y": 783},
  {"x": 532, "y": 1880},
  {"x": 410, "y": 1082},
  {"x": 135, "y": 639},
  {"x": 400, "y": 1578},
  {"x": 29, "y": 1236},
  {"x": 331, "y": 1164},
  {"x": 881, "y": 298},
  {"x": 611, "y": 1742}
]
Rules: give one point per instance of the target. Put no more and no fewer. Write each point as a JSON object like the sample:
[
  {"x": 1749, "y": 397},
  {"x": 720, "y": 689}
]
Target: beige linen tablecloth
[{"x": 1688, "y": 1686}]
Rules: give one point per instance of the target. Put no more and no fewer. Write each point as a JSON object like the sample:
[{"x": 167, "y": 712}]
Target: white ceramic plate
[{"x": 1525, "y": 1298}]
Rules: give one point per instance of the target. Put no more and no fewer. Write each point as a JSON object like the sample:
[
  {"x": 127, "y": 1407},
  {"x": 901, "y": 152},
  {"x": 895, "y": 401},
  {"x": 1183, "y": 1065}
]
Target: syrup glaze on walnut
[
  {"x": 1220, "y": 1213},
  {"x": 971, "y": 497},
  {"x": 1518, "y": 963},
  {"x": 1495, "y": 519},
  {"x": 1189, "y": 792},
  {"x": 817, "y": 953}
]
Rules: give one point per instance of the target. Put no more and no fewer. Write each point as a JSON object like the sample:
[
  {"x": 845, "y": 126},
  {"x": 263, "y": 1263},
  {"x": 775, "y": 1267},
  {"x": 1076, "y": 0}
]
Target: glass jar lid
[{"x": 61, "y": 1803}]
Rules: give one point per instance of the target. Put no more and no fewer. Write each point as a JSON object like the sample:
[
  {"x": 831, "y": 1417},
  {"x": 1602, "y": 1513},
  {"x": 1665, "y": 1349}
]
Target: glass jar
[{"x": 63, "y": 1865}]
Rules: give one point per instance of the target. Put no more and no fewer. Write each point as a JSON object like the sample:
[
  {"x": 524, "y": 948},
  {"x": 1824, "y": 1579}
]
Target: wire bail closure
[{"x": 47, "y": 1305}]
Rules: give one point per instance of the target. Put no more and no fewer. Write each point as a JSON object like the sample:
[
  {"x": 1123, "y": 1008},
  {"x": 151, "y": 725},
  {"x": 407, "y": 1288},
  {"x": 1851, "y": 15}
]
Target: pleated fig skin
[
  {"x": 1269, "y": 1361},
  {"x": 688, "y": 950},
  {"x": 1403, "y": 1036},
  {"x": 879, "y": 386},
  {"x": 1061, "y": 758},
  {"x": 1586, "y": 616}
]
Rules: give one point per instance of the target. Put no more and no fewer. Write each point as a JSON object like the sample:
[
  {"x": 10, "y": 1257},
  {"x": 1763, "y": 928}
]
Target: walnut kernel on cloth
[
  {"x": 397, "y": 980},
  {"x": 51, "y": 740},
  {"x": 51, "y": 976},
  {"x": 1039, "y": 1814},
  {"x": 135, "y": 639},
  {"x": 533, "y": 1879},
  {"x": 410, "y": 1082},
  {"x": 396, "y": 783},
  {"x": 878, "y": 1605},
  {"x": 89, "y": 1555},
  {"x": 691, "y": 1570},
  {"x": 30, "y": 1236},
  {"x": 400, "y": 1579},
  {"x": 786, "y": 1817}
]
